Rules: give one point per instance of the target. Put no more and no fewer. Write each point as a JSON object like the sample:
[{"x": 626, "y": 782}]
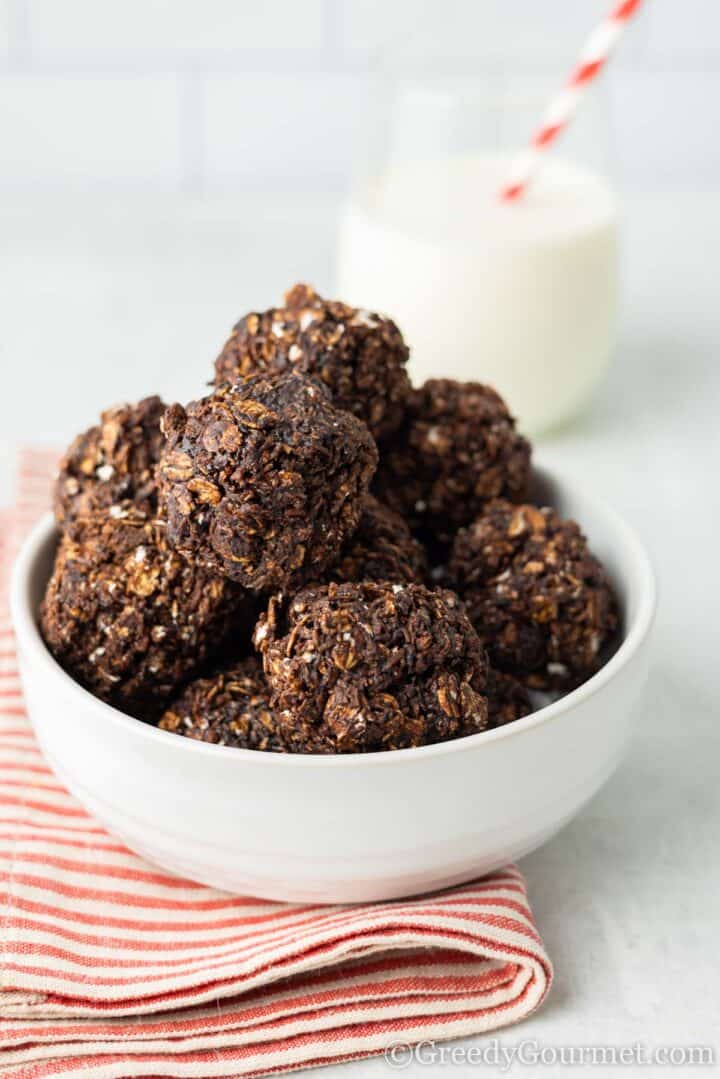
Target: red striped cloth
[{"x": 111, "y": 967}]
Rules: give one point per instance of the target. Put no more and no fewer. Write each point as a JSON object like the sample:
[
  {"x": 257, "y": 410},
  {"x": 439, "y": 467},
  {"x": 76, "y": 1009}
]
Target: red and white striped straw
[{"x": 562, "y": 108}]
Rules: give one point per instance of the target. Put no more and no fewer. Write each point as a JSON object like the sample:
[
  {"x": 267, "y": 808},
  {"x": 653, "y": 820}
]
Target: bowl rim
[{"x": 30, "y": 639}]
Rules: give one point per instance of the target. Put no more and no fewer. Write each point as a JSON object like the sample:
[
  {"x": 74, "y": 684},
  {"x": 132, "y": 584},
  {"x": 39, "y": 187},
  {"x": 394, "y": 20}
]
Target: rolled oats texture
[
  {"x": 540, "y": 600},
  {"x": 382, "y": 548},
  {"x": 111, "y": 464},
  {"x": 264, "y": 480},
  {"x": 358, "y": 355},
  {"x": 457, "y": 449},
  {"x": 131, "y": 619},
  {"x": 358, "y": 667},
  {"x": 229, "y": 707}
]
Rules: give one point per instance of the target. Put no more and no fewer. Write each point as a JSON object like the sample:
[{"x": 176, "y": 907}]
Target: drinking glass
[{"x": 520, "y": 295}]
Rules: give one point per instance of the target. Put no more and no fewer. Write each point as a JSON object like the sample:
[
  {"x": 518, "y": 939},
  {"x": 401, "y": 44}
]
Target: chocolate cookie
[
  {"x": 111, "y": 464},
  {"x": 359, "y": 355},
  {"x": 264, "y": 480},
  {"x": 507, "y": 699},
  {"x": 457, "y": 449},
  {"x": 130, "y": 618},
  {"x": 381, "y": 549},
  {"x": 230, "y": 708},
  {"x": 540, "y": 600},
  {"x": 372, "y": 666}
]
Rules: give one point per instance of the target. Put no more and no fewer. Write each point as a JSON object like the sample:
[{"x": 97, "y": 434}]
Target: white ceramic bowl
[{"x": 347, "y": 828}]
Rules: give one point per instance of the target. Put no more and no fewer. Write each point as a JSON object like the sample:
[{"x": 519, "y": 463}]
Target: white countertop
[{"x": 108, "y": 300}]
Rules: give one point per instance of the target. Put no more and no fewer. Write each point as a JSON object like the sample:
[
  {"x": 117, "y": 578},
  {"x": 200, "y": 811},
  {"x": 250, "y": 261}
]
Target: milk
[{"x": 522, "y": 295}]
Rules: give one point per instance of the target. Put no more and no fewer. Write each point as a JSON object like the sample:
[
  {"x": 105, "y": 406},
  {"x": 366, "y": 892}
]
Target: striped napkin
[{"x": 111, "y": 967}]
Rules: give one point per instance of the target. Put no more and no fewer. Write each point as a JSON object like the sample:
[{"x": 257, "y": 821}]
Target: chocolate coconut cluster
[{"x": 316, "y": 557}]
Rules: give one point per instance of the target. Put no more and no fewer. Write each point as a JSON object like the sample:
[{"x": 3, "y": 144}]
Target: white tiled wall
[
  {"x": 217, "y": 94},
  {"x": 104, "y": 129},
  {"x": 4, "y": 32},
  {"x": 498, "y": 27},
  {"x": 280, "y": 124},
  {"x": 173, "y": 31}
]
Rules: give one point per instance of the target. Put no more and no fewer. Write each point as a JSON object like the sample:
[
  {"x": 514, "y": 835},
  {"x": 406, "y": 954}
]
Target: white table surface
[{"x": 105, "y": 300}]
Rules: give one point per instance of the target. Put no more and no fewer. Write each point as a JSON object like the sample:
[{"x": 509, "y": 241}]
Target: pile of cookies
[{"x": 317, "y": 557}]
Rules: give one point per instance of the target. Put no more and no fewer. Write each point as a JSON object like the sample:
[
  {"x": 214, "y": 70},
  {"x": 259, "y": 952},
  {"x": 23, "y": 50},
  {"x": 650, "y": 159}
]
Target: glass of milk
[{"x": 520, "y": 295}]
